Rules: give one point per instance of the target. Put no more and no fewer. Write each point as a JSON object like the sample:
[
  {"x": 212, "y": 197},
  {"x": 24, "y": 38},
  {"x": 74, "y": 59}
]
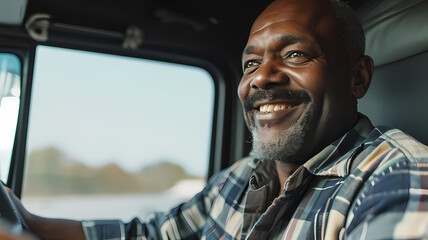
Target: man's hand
[
  {"x": 7, "y": 234},
  {"x": 24, "y": 213},
  {"x": 47, "y": 228}
]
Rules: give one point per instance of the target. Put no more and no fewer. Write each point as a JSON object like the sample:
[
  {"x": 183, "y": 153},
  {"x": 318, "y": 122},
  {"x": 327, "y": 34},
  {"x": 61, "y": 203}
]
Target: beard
[{"x": 287, "y": 146}]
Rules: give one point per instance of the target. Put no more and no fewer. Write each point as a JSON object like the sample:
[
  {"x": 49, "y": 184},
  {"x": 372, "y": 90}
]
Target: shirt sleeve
[
  {"x": 186, "y": 221},
  {"x": 393, "y": 204}
]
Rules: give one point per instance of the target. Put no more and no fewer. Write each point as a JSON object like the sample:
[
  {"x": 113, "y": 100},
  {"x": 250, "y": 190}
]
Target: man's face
[{"x": 295, "y": 88}]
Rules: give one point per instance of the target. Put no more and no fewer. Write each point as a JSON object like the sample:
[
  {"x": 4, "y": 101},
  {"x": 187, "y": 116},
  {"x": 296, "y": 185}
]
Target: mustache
[{"x": 276, "y": 94}]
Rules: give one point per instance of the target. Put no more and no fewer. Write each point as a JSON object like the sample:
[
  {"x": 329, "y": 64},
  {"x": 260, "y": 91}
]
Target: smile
[
  {"x": 268, "y": 108},
  {"x": 278, "y": 113}
]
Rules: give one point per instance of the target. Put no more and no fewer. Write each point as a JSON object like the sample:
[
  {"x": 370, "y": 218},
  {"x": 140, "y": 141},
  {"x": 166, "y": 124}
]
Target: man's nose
[{"x": 269, "y": 75}]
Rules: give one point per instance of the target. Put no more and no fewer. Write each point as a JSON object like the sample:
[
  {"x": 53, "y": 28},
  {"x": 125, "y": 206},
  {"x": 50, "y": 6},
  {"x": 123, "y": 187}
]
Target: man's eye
[
  {"x": 297, "y": 57},
  {"x": 250, "y": 64},
  {"x": 296, "y": 54}
]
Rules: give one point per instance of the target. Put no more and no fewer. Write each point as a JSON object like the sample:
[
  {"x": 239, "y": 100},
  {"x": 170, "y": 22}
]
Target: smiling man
[
  {"x": 300, "y": 81},
  {"x": 318, "y": 168},
  {"x": 302, "y": 75}
]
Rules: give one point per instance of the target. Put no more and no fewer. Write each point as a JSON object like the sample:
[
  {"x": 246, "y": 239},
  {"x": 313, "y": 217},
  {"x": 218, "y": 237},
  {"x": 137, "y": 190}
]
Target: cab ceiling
[{"x": 221, "y": 25}]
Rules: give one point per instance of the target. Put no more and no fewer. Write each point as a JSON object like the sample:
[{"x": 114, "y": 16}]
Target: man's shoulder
[
  {"x": 409, "y": 147},
  {"x": 230, "y": 182},
  {"x": 239, "y": 171},
  {"x": 387, "y": 148},
  {"x": 245, "y": 162}
]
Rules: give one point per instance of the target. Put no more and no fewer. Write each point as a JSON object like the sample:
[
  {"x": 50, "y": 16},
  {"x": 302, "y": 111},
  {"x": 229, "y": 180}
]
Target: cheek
[
  {"x": 243, "y": 89},
  {"x": 311, "y": 78}
]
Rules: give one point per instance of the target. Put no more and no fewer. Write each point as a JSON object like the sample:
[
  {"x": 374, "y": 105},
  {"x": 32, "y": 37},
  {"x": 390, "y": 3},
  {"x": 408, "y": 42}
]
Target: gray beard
[{"x": 286, "y": 146}]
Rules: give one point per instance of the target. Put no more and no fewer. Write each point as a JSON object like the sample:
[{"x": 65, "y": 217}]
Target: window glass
[
  {"x": 115, "y": 137},
  {"x": 10, "y": 91}
]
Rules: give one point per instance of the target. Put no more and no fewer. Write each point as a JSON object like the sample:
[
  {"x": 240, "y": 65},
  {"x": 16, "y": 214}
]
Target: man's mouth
[
  {"x": 280, "y": 113},
  {"x": 275, "y": 100},
  {"x": 268, "y": 108}
]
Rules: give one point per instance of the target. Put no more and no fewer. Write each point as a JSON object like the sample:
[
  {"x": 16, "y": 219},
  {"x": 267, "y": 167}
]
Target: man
[{"x": 319, "y": 169}]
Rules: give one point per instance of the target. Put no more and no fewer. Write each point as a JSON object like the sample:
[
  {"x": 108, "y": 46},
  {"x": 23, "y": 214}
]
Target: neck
[{"x": 285, "y": 170}]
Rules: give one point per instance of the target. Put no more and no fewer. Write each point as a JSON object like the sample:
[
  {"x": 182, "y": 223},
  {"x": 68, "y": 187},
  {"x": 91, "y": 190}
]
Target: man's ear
[{"x": 361, "y": 76}]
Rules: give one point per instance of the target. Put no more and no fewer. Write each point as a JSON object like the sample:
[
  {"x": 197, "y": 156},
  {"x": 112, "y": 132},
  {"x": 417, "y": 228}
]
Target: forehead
[
  {"x": 298, "y": 17},
  {"x": 305, "y": 11}
]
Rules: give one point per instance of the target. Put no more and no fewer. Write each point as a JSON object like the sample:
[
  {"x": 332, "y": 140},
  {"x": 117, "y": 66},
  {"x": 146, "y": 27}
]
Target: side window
[
  {"x": 115, "y": 137},
  {"x": 10, "y": 91}
]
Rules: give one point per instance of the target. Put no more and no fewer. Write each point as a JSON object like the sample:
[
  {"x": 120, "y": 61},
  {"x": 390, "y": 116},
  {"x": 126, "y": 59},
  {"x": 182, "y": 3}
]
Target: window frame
[
  {"x": 19, "y": 54},
  {"x": 223, "y": 149},
  {"x": 25, "y": 53}
]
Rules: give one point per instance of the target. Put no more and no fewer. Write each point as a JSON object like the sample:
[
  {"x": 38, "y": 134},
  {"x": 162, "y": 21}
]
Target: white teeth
[{"x": 268, "y": 108}]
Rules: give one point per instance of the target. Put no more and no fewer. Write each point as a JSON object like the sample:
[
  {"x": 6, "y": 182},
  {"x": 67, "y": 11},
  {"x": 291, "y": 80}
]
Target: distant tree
[{"x": 51, "y": 172}]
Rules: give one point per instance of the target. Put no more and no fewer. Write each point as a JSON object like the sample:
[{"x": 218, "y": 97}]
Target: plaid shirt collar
[{"x": 332, "y": 161}]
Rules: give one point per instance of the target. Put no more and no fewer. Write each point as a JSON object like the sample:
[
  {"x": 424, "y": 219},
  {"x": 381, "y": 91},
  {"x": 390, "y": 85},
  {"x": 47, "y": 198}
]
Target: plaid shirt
[{"x": 372, "y": 183}]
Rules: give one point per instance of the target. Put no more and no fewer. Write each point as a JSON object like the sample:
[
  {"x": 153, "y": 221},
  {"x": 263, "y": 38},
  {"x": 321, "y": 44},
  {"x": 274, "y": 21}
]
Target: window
[
  {"x": 115, "y": 137},
  {"x": 10, "y": 91}
]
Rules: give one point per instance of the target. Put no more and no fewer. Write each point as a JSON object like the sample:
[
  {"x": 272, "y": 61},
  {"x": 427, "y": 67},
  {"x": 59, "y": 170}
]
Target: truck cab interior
[{"x": 43, "y": 44}]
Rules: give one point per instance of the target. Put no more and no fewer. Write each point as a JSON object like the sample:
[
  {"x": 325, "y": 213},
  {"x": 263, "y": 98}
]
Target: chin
[
  {"x": 289, "y": 145},
  {"x": 283, "y": 147}
]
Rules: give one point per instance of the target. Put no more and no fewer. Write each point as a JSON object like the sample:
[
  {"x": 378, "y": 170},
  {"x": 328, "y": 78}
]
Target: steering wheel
[{"x": 9, "y": 213}]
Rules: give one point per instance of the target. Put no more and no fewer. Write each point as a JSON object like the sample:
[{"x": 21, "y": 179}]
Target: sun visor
[
  {"x": 395, "y": 29},
  {"x": 12, "y": 11}
]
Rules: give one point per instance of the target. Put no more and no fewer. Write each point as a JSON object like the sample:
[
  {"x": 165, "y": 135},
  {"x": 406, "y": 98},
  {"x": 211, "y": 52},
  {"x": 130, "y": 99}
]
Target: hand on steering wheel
[{"x": 9, "y": 213}]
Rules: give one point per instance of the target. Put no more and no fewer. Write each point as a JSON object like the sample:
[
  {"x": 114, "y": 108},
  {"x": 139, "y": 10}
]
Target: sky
[{"x": 99, "y": 109}]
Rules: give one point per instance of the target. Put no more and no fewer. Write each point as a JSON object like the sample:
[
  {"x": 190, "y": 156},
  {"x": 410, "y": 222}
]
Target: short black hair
[{"x": 352, "y": 29}]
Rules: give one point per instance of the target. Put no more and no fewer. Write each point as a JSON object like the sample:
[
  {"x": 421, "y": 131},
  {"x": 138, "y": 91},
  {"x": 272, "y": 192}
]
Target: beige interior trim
[{"x": 395, "y": 29}]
